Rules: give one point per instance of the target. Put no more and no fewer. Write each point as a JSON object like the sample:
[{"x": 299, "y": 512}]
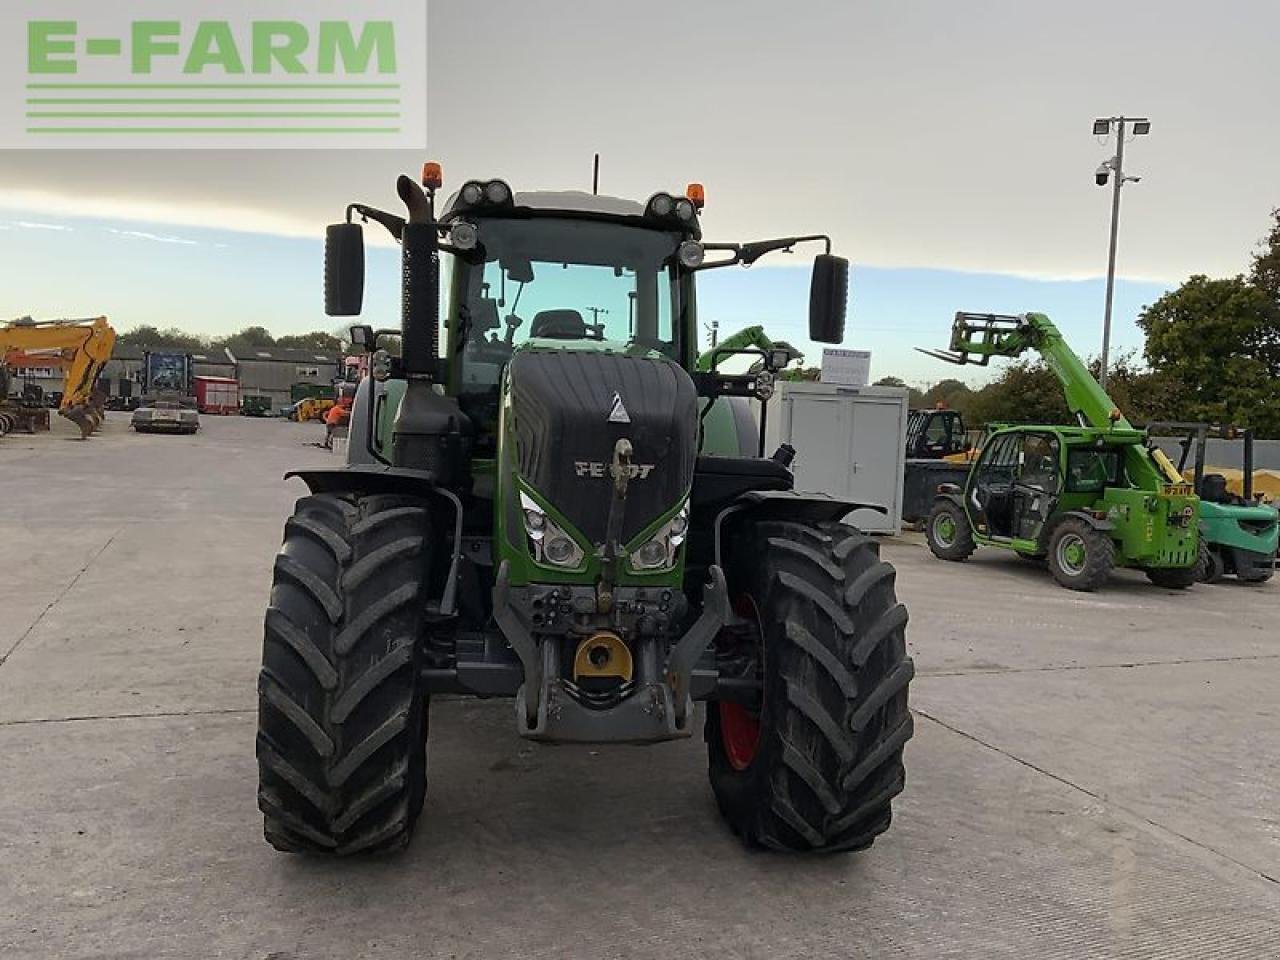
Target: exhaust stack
[{"x": 430, "y": 432}]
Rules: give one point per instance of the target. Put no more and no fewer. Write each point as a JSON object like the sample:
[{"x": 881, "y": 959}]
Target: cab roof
[
  {"x": 570, "y": 204},
  {"x": 1078, "y": 435}
]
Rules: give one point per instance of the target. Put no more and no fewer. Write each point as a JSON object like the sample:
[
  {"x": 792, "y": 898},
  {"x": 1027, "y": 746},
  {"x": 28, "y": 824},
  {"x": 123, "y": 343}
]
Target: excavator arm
[
  {"x": 80, "y": 347},
  {"x": 977, "y": 337}
]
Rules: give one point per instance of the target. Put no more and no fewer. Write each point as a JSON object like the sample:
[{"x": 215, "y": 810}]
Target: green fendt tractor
[
  {"x": 1085, "y": 498},
  {"x": 533, "y": 510}
]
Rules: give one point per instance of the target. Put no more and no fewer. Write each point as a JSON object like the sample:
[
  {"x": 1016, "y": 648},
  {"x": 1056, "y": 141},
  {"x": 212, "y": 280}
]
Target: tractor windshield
[{"x": 569, "y": 282}]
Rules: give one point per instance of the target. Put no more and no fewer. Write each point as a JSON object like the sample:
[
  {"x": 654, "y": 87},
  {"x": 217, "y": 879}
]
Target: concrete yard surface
[{"x": 1091, "y": 775}]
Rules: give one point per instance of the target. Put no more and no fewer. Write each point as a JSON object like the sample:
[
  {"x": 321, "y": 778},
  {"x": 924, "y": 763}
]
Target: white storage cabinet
[{"x": 850, "y": 442}]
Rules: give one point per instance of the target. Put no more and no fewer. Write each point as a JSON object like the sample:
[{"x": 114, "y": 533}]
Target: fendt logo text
[{"x": 252, "y": 74}]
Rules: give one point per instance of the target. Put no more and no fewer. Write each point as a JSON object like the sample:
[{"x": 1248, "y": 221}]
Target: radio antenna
[{"x": 595, "y": 176}]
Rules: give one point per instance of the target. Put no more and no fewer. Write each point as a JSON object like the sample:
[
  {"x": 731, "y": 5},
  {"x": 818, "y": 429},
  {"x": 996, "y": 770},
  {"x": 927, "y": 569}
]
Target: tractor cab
[
  {"x": 565, "y": 272},
  {"x": 935, "y": 434}
]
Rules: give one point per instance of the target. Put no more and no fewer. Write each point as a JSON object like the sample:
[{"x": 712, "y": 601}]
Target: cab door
[
  {"x": 989, "y": 496},
  {"x": 1037, "y": 484}
]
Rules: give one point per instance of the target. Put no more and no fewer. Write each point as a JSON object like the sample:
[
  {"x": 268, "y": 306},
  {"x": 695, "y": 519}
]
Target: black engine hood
[{"x": 568, "y": 410}]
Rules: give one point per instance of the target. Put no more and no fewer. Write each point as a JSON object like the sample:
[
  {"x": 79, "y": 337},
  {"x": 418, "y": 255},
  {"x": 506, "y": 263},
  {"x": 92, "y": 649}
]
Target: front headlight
[
  {"x": 659, "y": 552},
  {"x": 550, "y": 545}
]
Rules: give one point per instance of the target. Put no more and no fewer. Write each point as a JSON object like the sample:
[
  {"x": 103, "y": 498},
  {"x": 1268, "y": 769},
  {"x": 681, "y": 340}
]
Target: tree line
[
  {"x": 250, "y": 338},
  {"x": 1212, "y": 353}
]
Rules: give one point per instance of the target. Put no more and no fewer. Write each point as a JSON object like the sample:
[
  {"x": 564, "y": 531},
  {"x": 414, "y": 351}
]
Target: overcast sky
[{"x": 920, "y": 133}]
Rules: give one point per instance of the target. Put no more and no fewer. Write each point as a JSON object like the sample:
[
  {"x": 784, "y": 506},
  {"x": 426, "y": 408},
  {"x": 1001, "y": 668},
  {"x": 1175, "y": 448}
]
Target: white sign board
[{"x": 849, "y": 367}]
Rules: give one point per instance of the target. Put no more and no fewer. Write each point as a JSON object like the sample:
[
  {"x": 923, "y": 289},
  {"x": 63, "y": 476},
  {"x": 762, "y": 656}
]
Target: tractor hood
[{"x": 569, "y": 408}]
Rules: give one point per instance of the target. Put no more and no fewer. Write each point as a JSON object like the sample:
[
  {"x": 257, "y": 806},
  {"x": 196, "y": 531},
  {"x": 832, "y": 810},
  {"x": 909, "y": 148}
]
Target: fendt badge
[
  {"x": 598, "y": 468},
  {"x": 618, "y": 413}
]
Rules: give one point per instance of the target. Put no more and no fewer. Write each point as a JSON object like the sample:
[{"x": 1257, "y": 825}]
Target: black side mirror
[
  {"x": 362, "y": 338},
  {"x": 828, "y": 298},
  {"x": 519, "y": 269},
  {"x": 343, "y": 270}
]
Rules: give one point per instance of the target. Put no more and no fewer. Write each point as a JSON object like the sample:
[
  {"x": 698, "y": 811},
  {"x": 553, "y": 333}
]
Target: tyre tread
[
  {"x": 342, "y": 722},
  {"x": 830, "y": 759}
]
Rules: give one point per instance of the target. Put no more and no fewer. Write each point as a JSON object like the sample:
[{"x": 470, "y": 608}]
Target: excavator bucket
[{"x": 83, "y": 417}]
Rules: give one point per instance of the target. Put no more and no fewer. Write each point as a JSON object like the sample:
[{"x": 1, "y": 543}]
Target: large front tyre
[
  {"x": 948, "y": 533},
  {"x": 1080, "y": 556},
  {"x": 816, "y": 764},
  {"x": 342, "y": 722}
]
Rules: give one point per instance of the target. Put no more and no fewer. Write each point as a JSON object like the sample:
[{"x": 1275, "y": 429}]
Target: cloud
[
  {"x": 211, "y": 214},
  {"x": 155, "y": 237},
  {"x": 32, "y": 225}
]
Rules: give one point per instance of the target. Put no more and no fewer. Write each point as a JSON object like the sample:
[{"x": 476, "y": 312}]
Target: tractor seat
[
  {"x": 559, "y": 325},
  {"x": 1214, "y": 489}
]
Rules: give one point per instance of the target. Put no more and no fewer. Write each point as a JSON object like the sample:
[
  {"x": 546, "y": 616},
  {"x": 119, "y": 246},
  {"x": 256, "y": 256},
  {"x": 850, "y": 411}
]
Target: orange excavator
[{"x": 79, "y": 347}]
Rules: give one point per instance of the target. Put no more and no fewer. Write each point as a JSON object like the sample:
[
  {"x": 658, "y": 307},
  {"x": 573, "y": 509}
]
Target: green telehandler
[
  {"x": 1084, "y": 499},
  {"x": 532, "y": 509}
]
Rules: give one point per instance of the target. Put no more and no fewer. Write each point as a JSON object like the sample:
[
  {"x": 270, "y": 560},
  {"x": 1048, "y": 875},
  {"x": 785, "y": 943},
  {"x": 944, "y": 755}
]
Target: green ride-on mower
[
  {"x": 1082, "y": 499},
  {"x": 549, "y": 503}
]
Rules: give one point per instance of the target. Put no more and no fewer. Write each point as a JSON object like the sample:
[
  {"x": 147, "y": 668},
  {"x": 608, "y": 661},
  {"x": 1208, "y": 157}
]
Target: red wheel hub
[
  {"x": 739, "y": 733},
  {"x": 740, "y": 727}
]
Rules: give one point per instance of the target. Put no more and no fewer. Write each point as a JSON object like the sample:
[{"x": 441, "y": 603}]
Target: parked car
[{"x": 165, "y": 416}]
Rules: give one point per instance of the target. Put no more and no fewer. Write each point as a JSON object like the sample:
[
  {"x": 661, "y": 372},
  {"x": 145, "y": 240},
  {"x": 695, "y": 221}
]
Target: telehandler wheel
[
  {"x": 1211, "y": 569},
  {"x": 1080, "y": 557},
  {"x": 948, "y": 532},
  {"x": 342, "y": 722},
  {"x": 815, "y": 765},
  {"x": 1174, "y": 578}
]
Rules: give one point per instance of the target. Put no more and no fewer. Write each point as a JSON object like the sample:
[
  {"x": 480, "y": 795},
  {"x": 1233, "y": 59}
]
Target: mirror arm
[
  {"x": 748, "y": 253},
  {"x": 394, "y": 224}
]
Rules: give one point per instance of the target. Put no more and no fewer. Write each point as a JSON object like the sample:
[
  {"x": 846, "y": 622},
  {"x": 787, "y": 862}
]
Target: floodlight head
[
  {"x": 1101, "y": 127},
  {"x": 1141, "y": 128}
]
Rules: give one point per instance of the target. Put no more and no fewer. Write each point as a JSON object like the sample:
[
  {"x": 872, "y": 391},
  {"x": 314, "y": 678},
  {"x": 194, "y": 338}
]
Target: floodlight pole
[{"x": 1117, "y": 175}]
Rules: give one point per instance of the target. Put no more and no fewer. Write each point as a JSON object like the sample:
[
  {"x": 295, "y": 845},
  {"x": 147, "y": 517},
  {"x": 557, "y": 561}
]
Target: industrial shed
[
  {"x": 282, "y": 375},
  {"x": 213, "y": 363},
  {"x": 122, "y": 374}
]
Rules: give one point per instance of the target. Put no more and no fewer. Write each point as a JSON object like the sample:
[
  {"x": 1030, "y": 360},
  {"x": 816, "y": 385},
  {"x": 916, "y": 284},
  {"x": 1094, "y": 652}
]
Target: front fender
[
  {"x": 364, "y": 478},
  {"x": 1100, "y": 524},
  {"x": 756, "y": 505},
  {"x": 951, "y": 494}
]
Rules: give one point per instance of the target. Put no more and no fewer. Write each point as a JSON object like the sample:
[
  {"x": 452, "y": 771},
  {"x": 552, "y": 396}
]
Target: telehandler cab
[
  {"x": 1082, "y": 498},
  {"x": 551, "y": 503}
]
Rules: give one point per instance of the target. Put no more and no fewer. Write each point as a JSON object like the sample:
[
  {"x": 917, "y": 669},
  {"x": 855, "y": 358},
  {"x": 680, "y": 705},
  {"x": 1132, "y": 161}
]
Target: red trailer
[{"x": 220, "y": 395}]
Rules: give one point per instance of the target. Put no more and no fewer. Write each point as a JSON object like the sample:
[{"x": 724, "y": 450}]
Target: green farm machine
[
  {"x": 535, "y": 507},
  {"x": 1083, "y": 498},
  {"x": 1240, "y": 533}
]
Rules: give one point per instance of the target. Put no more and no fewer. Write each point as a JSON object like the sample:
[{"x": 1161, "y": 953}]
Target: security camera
[{"x": 1102, "y": 175}]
